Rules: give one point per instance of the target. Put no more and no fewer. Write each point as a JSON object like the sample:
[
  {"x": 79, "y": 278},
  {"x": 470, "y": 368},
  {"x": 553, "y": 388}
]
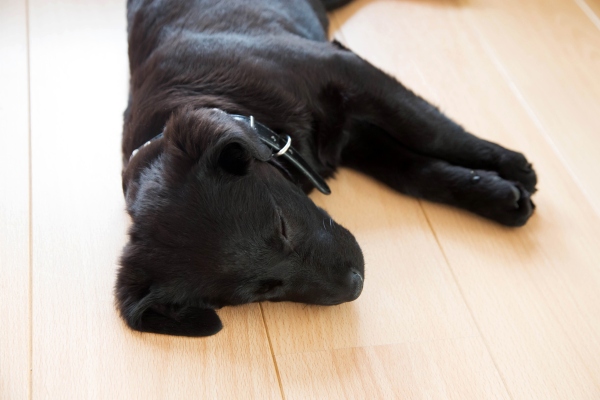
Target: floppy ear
[
  {"x": 185, "y": 321},
  {"x": 234, "y": 158},
  {"x": 145, "y": 310},
  {"x": 213, "y": 135},
  {"x": 235, "y": 152}
]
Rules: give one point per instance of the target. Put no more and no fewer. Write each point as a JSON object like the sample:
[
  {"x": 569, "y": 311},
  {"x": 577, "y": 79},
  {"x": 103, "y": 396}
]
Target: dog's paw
[
  {"x": 518, "y": 208},
  {"x": 515, "y": 167},
  {"x": 506, "y": 202}
]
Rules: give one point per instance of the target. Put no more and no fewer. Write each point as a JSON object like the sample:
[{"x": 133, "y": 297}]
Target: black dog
[{"x": 218, "y": 200}]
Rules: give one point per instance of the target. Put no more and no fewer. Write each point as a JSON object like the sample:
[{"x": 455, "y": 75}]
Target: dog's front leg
[
  {"x": 374, "y": 152},
  {"x": 372, "y": 96},
  {"x": 402, "y": 140}
]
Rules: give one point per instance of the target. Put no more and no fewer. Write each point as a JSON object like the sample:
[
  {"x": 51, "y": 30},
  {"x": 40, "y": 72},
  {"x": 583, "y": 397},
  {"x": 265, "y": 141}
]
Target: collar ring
[{"x": 285, "y": 148}]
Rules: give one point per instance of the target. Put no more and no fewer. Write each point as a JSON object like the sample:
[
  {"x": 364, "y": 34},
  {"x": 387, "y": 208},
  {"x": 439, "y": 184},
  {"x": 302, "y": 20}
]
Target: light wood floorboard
[{"x": 14, "y": 202}]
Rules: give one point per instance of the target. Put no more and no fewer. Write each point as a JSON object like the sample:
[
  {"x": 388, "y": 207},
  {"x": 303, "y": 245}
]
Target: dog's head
[{"x": 215, "y": 223}]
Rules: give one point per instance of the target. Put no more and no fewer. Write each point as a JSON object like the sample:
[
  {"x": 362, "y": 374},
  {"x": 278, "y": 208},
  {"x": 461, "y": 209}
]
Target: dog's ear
[
  {"x": 149, "y": 314},
  {"x": 208, "y": 134},
  {"x": 146, "y": 308},
  {"x": 236, "y": 150},
  {"x": 234, "y": 158}
]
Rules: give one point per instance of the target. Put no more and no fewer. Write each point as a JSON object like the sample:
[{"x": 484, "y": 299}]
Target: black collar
[{"x": 281, "y": 147}]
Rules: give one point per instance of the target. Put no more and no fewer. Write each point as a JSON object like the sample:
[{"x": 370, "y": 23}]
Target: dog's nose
[
  {"x": 357, "y": 282},
  {"x": 350, "y": 288}
]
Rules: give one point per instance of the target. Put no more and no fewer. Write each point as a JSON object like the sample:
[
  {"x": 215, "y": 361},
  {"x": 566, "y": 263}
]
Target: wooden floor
[{"x": 453, "y": 307}]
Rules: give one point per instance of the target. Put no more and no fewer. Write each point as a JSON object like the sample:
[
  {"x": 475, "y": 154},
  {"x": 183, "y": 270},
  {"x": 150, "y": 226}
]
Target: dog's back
[
  {"x": 152, "y": 22},
  {"x": 212, "y": 53}
]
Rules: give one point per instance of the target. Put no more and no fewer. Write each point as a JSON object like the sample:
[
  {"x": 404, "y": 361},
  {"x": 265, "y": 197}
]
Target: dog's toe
[
  {"x": 506, "y": 202},
  {"x": 515, "y": 167},
  {"x": 517, "y": 208}
]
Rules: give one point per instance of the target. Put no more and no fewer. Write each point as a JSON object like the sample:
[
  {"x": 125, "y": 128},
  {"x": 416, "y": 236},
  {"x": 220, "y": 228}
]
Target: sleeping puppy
[{"x": 239, "y": 108}]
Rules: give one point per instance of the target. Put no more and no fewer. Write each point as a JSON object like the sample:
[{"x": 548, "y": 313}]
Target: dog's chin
[
  {"x": 335, "y": 298},
  {"x": 312, "y": 303},
  {"x": 335, "y": 303},
  {"x": 338, "y": 302},
  {"x": 329, "y": 303},
  {"x": 326, "y": 301}
]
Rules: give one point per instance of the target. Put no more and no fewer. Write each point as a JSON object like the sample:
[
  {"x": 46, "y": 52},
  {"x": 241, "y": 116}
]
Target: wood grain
[
  {"x": 81, "y": 349},
  {"x": 14, "y": 202},
  {"x": 445, "y": 369},
  {"x": 533, "y": 291}
]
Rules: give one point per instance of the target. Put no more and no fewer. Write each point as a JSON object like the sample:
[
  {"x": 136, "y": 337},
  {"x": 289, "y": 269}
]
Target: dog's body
[{"x": 216, "y": 221}]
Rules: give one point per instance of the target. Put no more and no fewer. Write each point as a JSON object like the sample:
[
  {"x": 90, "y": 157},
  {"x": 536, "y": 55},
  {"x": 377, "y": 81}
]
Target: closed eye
[
  {"x": 285, "y": 234},
  {"x": 283, "y": 228},
  {"x": 268, "y": 286}
]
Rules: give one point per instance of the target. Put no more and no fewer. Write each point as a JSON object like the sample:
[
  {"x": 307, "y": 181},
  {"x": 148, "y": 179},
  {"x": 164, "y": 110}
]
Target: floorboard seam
[
  {"x": 272, "y": 352},
  {"x": 587, "y": 10},
  {"x": 462, "y": 294}
]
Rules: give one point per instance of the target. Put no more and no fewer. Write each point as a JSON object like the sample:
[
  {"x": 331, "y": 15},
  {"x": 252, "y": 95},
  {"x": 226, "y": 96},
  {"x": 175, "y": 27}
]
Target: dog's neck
[{"x": 281, "y": 147}]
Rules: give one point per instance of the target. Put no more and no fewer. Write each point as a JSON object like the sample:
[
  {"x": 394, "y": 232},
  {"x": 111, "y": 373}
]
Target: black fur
[{"x": 215, "y": 222}]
